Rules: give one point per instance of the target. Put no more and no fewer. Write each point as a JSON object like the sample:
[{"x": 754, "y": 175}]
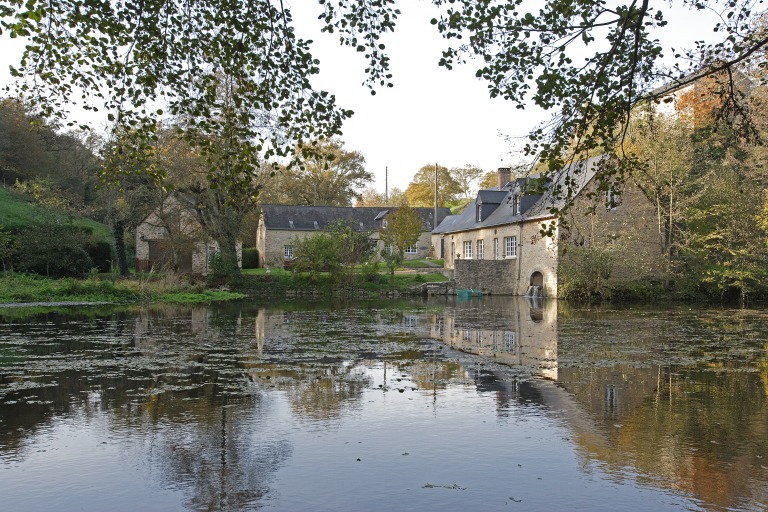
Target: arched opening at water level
[{"x": 536, "y": 285}]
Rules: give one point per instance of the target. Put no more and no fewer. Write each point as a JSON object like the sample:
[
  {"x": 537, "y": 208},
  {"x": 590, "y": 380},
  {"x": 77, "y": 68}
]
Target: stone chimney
[{"x": 505, "y": 174}]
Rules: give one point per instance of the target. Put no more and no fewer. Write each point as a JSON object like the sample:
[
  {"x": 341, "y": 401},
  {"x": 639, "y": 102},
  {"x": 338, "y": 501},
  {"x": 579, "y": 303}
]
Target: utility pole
[{"x": 386, "y": 186}]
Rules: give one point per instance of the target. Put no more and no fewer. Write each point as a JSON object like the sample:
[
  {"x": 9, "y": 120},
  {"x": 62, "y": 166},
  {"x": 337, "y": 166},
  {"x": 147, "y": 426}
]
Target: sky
[{"x": 431, "y": 115}]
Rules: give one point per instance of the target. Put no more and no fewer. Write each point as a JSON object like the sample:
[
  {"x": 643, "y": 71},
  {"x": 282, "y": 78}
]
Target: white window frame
[
  {"x": 412, "y": 249},
  {"x": 510, "y": 341},
  {"x": 481, "y": 249},
  {"x": 288, "y": 252},
  {"x": 468, "y": 250},
  {"x": 510, "y": 247}
]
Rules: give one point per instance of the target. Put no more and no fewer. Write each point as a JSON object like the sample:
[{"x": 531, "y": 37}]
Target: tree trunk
[{"x": 118, "y": 231}]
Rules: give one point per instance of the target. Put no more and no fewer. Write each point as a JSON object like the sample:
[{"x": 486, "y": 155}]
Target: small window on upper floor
[
  {"x": 516, "y": 204},
  {"x": 479, "y": 213},
  {"x": 612, "y": 199}
]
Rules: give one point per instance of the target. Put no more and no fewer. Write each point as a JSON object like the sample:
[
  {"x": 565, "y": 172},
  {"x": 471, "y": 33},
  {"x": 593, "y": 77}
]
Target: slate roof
[
  {"x": 532, "y": 206},
  {"x": 318, "y": 218}
]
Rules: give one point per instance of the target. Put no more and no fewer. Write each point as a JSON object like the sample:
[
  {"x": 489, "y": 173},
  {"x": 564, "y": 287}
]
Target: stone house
[
  {"x": 496, "y": 246},
  {"x": 280, "y": 225},
  {"x": 170, "y": 238}
]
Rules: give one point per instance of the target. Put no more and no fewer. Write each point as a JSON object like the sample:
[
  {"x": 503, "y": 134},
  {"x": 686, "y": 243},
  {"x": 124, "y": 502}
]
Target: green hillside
[{"x": 17, "y": 210}]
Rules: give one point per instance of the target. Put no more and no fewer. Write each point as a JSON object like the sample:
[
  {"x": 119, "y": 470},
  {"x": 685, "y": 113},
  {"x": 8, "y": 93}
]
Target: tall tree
[
  {"x": 220, "y": 206},
  {"x": 591, "y": 63},
  {"x": 327, "y": 175},
  {"x": 421, "y": 190},
  {"x": 662, "y": 144},
  {"x": 466, "y": 178},
  {"x": 402, "y": 229},
  {"x": 139, "y": 60},
  {"x": 371, "y": 197}
]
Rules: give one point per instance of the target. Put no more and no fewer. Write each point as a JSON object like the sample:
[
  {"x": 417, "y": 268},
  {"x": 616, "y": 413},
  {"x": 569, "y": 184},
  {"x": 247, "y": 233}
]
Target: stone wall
[
  {"x": 489, "y": 276},
  {"x": 629, "y": 233}
]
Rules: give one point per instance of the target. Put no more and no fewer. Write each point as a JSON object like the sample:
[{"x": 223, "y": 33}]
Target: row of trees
[
  {"x": 246, "y": 87},
  {"x": 455, "y": 187},
  {"x": 709, "y": 186}
]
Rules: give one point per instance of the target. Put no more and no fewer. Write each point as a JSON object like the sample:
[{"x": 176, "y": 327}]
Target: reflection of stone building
[{"x": 514, "y": 331}]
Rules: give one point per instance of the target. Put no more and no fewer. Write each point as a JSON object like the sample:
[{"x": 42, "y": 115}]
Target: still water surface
[{"x": 488, "y": 404}]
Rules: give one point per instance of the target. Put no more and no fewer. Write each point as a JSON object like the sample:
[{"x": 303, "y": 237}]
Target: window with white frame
[
  {"x": 411, "y": 249},
  {"x": 288, "y": 252},
  {"x": 467, "y": 250},
  {"x": 495, "y": 248},
  {"x": 481, "y": 249},
  {"x": 510, "y": 341},
  {"x": 510, "y": 246},
  {"x": 479, "y": 212}
]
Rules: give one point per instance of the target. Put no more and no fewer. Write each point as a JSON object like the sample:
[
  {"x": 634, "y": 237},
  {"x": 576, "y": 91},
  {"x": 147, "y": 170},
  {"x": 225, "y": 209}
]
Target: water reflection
[
  {"x": 680, "y": 398},
  {"x": 224, "y": 406}
]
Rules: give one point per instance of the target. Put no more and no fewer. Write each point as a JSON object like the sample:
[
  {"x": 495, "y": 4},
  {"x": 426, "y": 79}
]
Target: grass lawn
[{"x": 427, "y": 263}]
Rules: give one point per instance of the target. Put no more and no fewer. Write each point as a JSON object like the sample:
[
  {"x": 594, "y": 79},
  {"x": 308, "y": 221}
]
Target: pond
[{"x": 442, "y": 404}]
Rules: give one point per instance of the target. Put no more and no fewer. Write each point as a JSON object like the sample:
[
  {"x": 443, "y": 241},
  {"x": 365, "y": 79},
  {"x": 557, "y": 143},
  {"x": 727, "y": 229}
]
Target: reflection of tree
[
  {"x": 694, "y": 430},
  {"x": 212, "y": 450},
  {"x": 316, "y": 392}
]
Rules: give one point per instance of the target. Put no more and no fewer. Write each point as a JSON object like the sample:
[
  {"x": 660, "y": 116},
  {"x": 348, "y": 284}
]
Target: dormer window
[
  {"x": 290, "y": 223},
  {"x": 516, "y": 204},
  {"x": 317, "y": 226},
  {"x": 479, "y": 213}
]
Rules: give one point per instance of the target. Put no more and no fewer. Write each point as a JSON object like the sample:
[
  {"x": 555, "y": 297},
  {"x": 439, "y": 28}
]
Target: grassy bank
[
  {"x": 26, "y": 288},
  {"x": 15, "y": 288}
]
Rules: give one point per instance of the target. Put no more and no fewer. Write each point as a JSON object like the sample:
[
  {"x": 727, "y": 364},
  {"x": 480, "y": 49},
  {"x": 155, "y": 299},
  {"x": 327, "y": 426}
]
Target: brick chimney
[{"x": 505, "y": 174}]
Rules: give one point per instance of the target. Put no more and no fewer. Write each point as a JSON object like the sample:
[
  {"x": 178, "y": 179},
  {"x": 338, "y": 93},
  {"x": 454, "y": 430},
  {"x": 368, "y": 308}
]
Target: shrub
[
  {"x": 584, "y": 274},
  {"x": 250, "y": 257},
  {"x": 369, "y": 271},
  {"x": 101, "y": 255},
  {"x": 52, "y": 250}
]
